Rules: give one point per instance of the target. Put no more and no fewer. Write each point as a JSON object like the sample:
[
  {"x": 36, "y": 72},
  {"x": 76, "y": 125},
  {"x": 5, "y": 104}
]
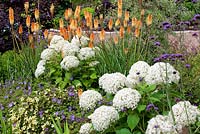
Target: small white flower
[
  {"x": 86, "y": 128},
  {"x": 126, "y": 98},
  {"x": 184, "y": 113},
  {"x": 137, "y": 72},
  {"x": 55, "y": 39},
  {"x": 69, "y": 49},
  {"x": 39, "y": 71},
  {"x": 89, "y": 99},
  {"x": 113, "y": 82},
  {"x": 69, "y": 62},
  {"x": 160, "y": 125},
  {"x": 103, "y": 117},
  {"x": 83, "y": 41},
  {"x": 86, "y": 53},
  {"x": 47, "y": 54},
  {"x": 162, "y": 72}
]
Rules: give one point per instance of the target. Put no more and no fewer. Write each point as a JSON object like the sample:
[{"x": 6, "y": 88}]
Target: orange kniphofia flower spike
[
  {"x": 20, "y": 29},
  {"x": 92, "y": 37},
  {"x": 121, "y": 32},
  {"x": 26, "y": 6},
  {"x": 79, "y": 32},
  {"x": 117, "y": 23},
  {"x": 119, "y": 3},
  {"x": 115, "y": 39},
  {"x": 37, "y": 14},
  {"x": 149, "y": 20},
  {"x": 137, "y": 32},
  {"x": 127, "y": 15},
  {"x": 52, "y": 9},
  {"x": 139, "y": 24},
  {"x": 28, "y": 21},
  {"x": 77, "y": 11},
  {"x": 102, "y": 35},
  {"x": 36, "y": 27},
  {"x": 11, "y": 16},
  {"x": 119, "y": 13},
  {"x": 110, "y": 24},
  {"x": 134, "y": 21},
  {"x": 46, "y": 33},
  {"x": 90, "y": 44},
  {"x": 125, "y": 23},
  {"x": 32, "y": 26},
  {"x": 61, "y": 23},
  {"x": 96, "y": 24},
  {"x": 30, "y": 38},
  {"x": 128, "y": 29}
]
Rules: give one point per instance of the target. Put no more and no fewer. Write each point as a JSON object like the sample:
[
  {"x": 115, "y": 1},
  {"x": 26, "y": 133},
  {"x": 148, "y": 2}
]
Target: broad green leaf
[
  {"x": 123, "y": 131},
  {"x": 150, "y": 88},
  {"x": 133, "y": 120},
  {"x": 58, "y": 80},
  {"x": 77, "y": 83},
  {"x": 153, "y": 99},
  {"x": 93, "y": 76},
  {"x": 141, "y": 108}
]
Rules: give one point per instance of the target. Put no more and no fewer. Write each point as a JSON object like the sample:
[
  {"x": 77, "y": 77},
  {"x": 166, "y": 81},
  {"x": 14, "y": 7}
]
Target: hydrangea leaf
[{"x": 133, "y": 120}]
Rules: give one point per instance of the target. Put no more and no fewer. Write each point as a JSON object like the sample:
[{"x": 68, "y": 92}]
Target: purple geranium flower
[{"x": 11, "y": 104}]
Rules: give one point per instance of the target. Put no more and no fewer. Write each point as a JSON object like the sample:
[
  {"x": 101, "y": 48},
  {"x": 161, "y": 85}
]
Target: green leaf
[
  {"x": 77, "y": 83},
  {"x": 123, "y": 131},
  {"x": 58, "y": 80},
  {"x": 141, "y": 108},
  {"x": 153, "y": 99},
  {"x": 93, "y": 76},
  {"x": 150, "y": 88},
  {"x": 133, "y": 120}
]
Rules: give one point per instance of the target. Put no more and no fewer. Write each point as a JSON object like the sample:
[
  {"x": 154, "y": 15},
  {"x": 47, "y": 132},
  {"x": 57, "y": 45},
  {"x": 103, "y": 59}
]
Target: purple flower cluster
[
  {"x": 171, "y": 57},
  {"x": 166, "y": 25},
  {"x": 56, "y": 100},
  {"x": 151, "y": 106}
]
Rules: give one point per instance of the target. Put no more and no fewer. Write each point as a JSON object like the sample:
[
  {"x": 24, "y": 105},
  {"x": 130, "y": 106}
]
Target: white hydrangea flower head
[
  {"x": 83, "y": 41},
  {"x": 162, "y": 72},
  {"x": 69, "y": 62},
  {"x": 86, "y": 128},
  {"x": 86, "y": 53},
  {"x": 137, "y": 72},
  {"x": 57, "y": 43},
  {"x": 69, "y": 49},
  {"x": 113, "y": 82},
  {"x": 89, "y": 99},
  {"x": 47, "y": 54},
  {"x": 185, "y": 114},
  {"x": 93, "y": 63},
  {"x": 103, "y": 117},
  {"x": 41, "y": 63},
  {"x": 39, "y": 71},
  {"x": 126, "y": 98},
  {"x": 160, "y": 125},
  {"x": 55, "y": 39}
]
